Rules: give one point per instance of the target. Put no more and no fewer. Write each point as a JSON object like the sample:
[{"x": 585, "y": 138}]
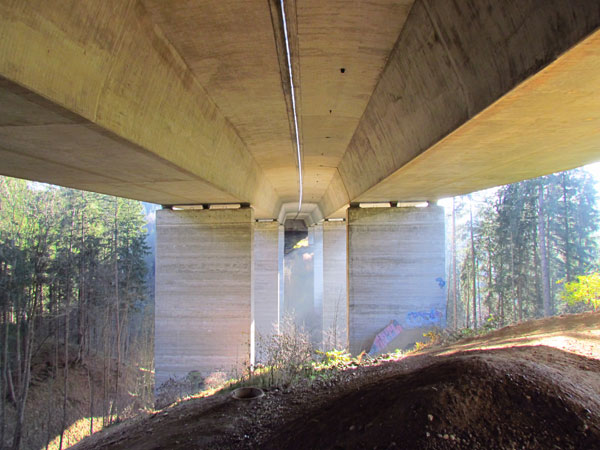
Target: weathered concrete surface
[
  {"x": 109, "y": 63},
  {"x": 396, "y": 266},
  {"x": 335, "y": 299},
  {"x": 229, "y": 48},
  {"x": 185, "y": 101},
  {"x": 356, "y": 36},
  {"x": 548, "y": 123},
  {"x": 203, "y": 291},
  {"x": 42, "y": 141},
  {"x": 265, "y": 278},
  {"x": 452, "y": 60}
]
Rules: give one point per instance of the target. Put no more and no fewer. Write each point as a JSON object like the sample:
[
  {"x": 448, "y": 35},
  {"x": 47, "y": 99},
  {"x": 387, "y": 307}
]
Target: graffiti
[
  {"x": 386, "y": 336},
  {"x": 441, "y": 282},
  {"x": 418, "y": 319},
  {"x": 415, "y": 319}
]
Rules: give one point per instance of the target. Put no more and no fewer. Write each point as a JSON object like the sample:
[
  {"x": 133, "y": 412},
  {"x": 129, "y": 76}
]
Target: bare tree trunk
[
  {"x": 567, "y": 231},
  {"x": 473, "y": 264},
  {"x": 91, "y": 386},
  {"x": 543, "y": 254},
  {"x": 536, "y": 263},
  {"x": 117, "y": 312},
  {"x": 519, "y": 300},
  {"x": 82, "y": 299},
  {"x": 467, "y": 306},
  {"x": 501, "y": 294},
  {"x": 512, "y": 277},
  {"x": 4, "y": 374},
  {"x": 454, "y": 281},
  {"x": 489, "y": 280},
  {"x": 105, "y": 366},
  {"x": 26, "y": 376},
  {"x": 67, "y": 314}
]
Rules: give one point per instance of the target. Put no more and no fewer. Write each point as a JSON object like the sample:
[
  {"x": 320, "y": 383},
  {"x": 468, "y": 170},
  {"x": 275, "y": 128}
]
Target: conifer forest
[
  {"x": 75, "y": 310},
  {"x": 512, "y": 251}
]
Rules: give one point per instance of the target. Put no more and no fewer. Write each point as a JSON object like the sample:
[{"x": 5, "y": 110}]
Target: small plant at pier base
[
  {"x": 283, "y": 357},
  {"x": 334, "y": 359}
]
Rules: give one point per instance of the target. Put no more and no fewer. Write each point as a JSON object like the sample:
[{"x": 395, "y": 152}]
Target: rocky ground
[{"x": 535, "y": 385}]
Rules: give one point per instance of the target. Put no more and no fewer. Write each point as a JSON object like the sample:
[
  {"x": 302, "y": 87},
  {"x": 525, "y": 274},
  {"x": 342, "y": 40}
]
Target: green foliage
[
  {"x": 433, "y": 337},
  {"x": 72, "y": 273},
  {"x": 508, "y": 272},
  {"x": 334, "y": 358},
  {"x": 585, "y": 290}
]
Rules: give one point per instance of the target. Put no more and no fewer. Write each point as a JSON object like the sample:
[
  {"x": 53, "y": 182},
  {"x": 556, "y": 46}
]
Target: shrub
[
  {"x": 284, "y": 356},
  {"x": 175, "y": 388},
  {"x": 585, "y": 290}
]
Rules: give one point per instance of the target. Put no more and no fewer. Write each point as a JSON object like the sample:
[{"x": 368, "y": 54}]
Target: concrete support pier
[
  {"x": 396, "y": 276},
  {"x": 203, "y": 291},
  {"x": 265, "y": 311},
  {"x": 335, "y": 299},
  {"x": 315, "y": 240}
]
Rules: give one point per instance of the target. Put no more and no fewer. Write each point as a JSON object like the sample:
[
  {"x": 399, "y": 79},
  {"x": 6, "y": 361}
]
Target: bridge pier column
[
  {"x": 396, "y": 272},
  {"x": 265, "y": 311},
  {"x": 315, "y": 239},
  {"x": 204, "y": 265},
  {"x": 335, "y": 299}
]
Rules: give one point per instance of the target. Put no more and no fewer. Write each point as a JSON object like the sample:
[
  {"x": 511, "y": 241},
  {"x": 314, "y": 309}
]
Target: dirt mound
[
  {"x": 508, "y": 390},
  {"x": 485, "y": 400}
]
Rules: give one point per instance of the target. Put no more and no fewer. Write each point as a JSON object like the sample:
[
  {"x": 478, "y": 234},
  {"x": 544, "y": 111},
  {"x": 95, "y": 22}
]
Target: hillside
[{"x": 534, "y": 385}]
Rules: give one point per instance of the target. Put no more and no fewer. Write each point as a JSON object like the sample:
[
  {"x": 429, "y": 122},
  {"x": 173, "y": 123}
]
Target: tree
[
  {"x": 524, "y": 237},
  {"x": 72, "y": 275}
]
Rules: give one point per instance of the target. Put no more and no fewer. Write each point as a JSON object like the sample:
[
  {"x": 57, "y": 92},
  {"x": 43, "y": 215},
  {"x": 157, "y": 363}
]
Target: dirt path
[{"x": 535, "y": 385}]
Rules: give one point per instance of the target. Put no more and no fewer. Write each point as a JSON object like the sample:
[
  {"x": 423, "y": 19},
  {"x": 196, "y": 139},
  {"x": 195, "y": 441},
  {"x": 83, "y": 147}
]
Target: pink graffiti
[{"x": 386, "y": 336}]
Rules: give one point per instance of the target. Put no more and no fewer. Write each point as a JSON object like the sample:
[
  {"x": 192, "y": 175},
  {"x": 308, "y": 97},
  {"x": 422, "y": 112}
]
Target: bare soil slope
[{"x": 535, "y": 385}]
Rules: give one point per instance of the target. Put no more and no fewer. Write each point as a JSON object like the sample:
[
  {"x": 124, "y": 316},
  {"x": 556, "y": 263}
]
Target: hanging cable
[{"x": 289, "y": 61}]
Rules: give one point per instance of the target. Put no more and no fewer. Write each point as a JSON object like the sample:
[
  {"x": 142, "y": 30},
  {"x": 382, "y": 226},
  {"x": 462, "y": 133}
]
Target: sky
[{"x": 593, "y": 168}]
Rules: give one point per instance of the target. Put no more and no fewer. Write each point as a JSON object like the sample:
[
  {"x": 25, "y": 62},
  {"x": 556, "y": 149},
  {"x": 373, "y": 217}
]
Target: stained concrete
[
  {"x": 335, "y": 301},
  {"x": 396, "y": 271},
  {"x": 547, "y": 123},
  {"x": 435, "y": 98},
  {"x": 203, "y": 291},
  {"x": 93, "y": 58},
  {"x": 452, "y": 60}
]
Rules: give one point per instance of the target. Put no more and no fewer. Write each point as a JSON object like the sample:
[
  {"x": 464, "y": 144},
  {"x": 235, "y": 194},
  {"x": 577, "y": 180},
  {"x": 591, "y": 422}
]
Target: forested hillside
[
  {"x": 73, "y": 298},
  {"x": 513, "y": 251}
]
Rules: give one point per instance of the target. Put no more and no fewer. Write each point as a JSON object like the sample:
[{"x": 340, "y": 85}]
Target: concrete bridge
[{"x": 189, "y": 104}]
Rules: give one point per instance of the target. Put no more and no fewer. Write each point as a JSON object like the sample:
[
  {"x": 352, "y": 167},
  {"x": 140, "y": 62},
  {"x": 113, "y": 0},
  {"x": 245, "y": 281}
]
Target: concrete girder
[
  {"x": 453, "y": 60},
  {"x": 108, "y": 63},
  {"x": 185, "y": 102}
]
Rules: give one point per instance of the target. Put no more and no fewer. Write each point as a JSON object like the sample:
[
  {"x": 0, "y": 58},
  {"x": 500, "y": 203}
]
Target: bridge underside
[{"x": 189, "y": 102}]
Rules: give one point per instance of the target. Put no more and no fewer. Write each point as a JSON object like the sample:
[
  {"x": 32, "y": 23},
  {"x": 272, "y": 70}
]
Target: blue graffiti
[
  {"x": 441, "y": 282},
  {"x": 418, "y": 319}
]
